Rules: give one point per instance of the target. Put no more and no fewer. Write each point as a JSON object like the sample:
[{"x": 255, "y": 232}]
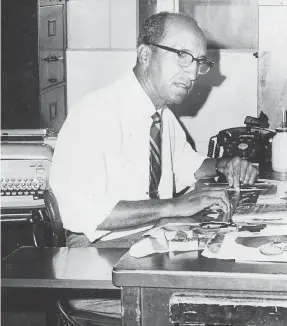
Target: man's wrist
[{"x": 169, "y": 207}]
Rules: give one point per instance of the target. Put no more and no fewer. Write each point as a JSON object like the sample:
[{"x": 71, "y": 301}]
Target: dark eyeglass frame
[{"x": 180, "y": 52}]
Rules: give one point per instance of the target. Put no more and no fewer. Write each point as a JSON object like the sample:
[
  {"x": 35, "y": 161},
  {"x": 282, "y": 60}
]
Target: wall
[
  {"x": 88, "y": 70},
  {"x": 272, "y": 90},
  {"x": 101, "y": 47},
  {"x": 223, "y": 98},
  {"x": 101, "y": 43},
  {"x": 101, "y": 24}
]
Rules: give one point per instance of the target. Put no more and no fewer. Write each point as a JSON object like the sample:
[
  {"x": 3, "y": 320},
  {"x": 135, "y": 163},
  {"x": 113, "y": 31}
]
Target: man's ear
[{"x": 144, "y": 54}]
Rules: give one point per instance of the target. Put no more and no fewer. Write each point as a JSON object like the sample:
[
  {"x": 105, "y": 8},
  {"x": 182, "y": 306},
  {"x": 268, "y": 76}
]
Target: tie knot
[{"x": 156, "y": 118}]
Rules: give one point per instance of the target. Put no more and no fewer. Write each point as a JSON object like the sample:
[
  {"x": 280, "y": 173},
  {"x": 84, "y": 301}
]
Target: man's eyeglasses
[{"x": 185, "y": 59}]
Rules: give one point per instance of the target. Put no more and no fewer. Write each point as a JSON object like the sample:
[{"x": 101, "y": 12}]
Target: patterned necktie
[{"x": 155, "y": 156}]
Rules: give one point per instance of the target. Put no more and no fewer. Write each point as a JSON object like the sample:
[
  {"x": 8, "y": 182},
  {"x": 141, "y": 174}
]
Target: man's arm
[
  {"x": 128, "y": 214},
  {"x": 236, "y": 170}
]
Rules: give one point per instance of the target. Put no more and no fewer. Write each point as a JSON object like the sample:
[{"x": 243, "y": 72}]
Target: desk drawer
[
  {"x": 206, "y": 308},
  {"x": 174, "y": 307}
]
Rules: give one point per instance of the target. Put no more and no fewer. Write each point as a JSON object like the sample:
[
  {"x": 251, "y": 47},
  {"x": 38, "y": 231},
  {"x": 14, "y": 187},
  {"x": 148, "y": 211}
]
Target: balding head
[
  {"x": 156, "y": 27},
  {"x": 163, "y": 40}
]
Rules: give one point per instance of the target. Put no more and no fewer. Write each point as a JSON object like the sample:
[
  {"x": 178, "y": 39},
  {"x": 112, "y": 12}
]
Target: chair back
[{"x": 54, "y": 219}]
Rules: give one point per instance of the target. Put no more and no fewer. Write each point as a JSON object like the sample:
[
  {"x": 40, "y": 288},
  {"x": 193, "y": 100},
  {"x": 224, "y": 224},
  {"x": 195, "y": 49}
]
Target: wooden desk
[
  {"x": 55, "y": 268},
  {"x": 33, "y": 279},
  {"x": 150, "y": 284}
]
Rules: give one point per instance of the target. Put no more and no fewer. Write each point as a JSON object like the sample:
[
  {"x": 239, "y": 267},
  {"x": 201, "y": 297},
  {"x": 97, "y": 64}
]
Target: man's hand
[
  {"x": 237, "y": 170},
  {"x": 200, "y": 198}
]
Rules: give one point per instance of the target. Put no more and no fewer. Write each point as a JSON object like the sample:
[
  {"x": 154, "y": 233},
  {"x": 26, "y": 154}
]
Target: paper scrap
[
  {"x": 166, "y": 239},
  {"x": 230, "y": 249}
]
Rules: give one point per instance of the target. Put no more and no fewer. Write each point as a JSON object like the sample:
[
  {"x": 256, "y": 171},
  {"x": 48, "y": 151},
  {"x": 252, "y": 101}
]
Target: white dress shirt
[{"x": 102, "y": 155}]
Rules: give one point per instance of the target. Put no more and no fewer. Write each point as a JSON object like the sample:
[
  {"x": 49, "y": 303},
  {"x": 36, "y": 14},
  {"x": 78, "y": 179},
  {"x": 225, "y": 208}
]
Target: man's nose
[{"x": 191, "y": 70}]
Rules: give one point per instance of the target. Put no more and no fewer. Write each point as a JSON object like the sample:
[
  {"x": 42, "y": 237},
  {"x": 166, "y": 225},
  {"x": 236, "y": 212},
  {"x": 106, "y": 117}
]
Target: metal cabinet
[
  {"x": 52, "y": 68},
  {"x": 53, "y": 103},
  {"x": 33, "y": 64},
  {"x": 51, "y": 27}
]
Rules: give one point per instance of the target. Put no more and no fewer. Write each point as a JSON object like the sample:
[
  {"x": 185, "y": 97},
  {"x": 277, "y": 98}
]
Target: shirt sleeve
[
  {"x": 78, "y": 178},
  {"x": 186, "y": 161}
]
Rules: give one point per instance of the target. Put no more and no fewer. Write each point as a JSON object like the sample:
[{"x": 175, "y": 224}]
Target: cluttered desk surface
[
  {"x": 248, "y": 254},
  {"x": 92, "y": 268}
]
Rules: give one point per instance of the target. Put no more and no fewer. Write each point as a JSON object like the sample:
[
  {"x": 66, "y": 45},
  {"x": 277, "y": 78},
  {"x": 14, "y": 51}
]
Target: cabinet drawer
[
  {"x": 51, "y": 27},
  {"x": 50, "y": 2},
  {"x": 52, "y": 70},
  {"x": 53, "y": 109}
]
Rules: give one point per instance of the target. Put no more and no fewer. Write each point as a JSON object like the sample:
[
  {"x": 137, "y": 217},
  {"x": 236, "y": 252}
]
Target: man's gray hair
[{"x": 155, "y": 27}]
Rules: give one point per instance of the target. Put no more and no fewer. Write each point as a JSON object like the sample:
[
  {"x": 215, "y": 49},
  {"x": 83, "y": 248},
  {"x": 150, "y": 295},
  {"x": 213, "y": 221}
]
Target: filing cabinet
[
  {"x": 53, "y": 107},
  {"x": 33, "y": 64}
]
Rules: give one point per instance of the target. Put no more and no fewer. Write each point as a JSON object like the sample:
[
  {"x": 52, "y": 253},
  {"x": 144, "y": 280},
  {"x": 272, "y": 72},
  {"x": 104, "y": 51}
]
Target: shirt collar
[{"x": 139, "y": 97}]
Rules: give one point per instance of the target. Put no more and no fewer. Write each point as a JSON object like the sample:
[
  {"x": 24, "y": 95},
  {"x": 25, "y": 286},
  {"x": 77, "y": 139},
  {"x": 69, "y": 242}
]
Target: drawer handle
[
  {"x": 53, "y": 107},
  {"x": 52, "y": 27},
  {"x": 53, "y": 80},
  {"x": 52, "y": 58}
]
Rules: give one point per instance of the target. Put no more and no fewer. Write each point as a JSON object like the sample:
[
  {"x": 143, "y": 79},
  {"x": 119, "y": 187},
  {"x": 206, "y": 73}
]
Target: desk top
[
  {"x": 85, "y": 268},
  {"x": 191, "y": 270}
]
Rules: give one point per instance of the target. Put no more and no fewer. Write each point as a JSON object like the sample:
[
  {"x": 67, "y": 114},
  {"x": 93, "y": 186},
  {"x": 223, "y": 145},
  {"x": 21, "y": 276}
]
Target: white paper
[
  {"x": 159, "y": 240},
  {"x": 231, "y": 250}
]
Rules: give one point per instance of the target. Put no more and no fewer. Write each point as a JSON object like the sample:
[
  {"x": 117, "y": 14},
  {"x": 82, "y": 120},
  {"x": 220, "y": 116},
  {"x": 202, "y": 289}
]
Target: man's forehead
[
  {"x": 178, "y": 32},
  {"x": 185, "y": 37}
]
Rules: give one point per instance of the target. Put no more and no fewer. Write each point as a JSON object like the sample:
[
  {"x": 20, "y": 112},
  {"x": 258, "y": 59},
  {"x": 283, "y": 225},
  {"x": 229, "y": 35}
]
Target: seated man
[{"x": 121, "y": 153}]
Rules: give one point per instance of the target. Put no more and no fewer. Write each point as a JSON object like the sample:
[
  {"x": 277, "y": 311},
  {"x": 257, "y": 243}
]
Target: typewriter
[{"x": 26, "y": 158}]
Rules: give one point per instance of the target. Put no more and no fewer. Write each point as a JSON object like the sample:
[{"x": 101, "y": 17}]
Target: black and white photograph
[{"x": 143, "y": 162}]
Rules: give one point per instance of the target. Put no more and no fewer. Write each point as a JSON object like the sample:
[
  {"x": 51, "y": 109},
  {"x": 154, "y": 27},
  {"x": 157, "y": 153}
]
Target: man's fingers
[
  {"x": 214, "y": 207},
  {"x": 244, "y": 168},
  {"x": 229, "y": 175},
  {"x": 236, "y": 165},
  {"x": 251, "y": 174},
  {"x": 230, "y": 179},
  {"x": 209, "y": 201},
  {"x": 222, "y": 194}
]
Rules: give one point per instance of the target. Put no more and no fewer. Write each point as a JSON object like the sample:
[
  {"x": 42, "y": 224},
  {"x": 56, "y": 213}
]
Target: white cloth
[{"x": 102, "y": 155}]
